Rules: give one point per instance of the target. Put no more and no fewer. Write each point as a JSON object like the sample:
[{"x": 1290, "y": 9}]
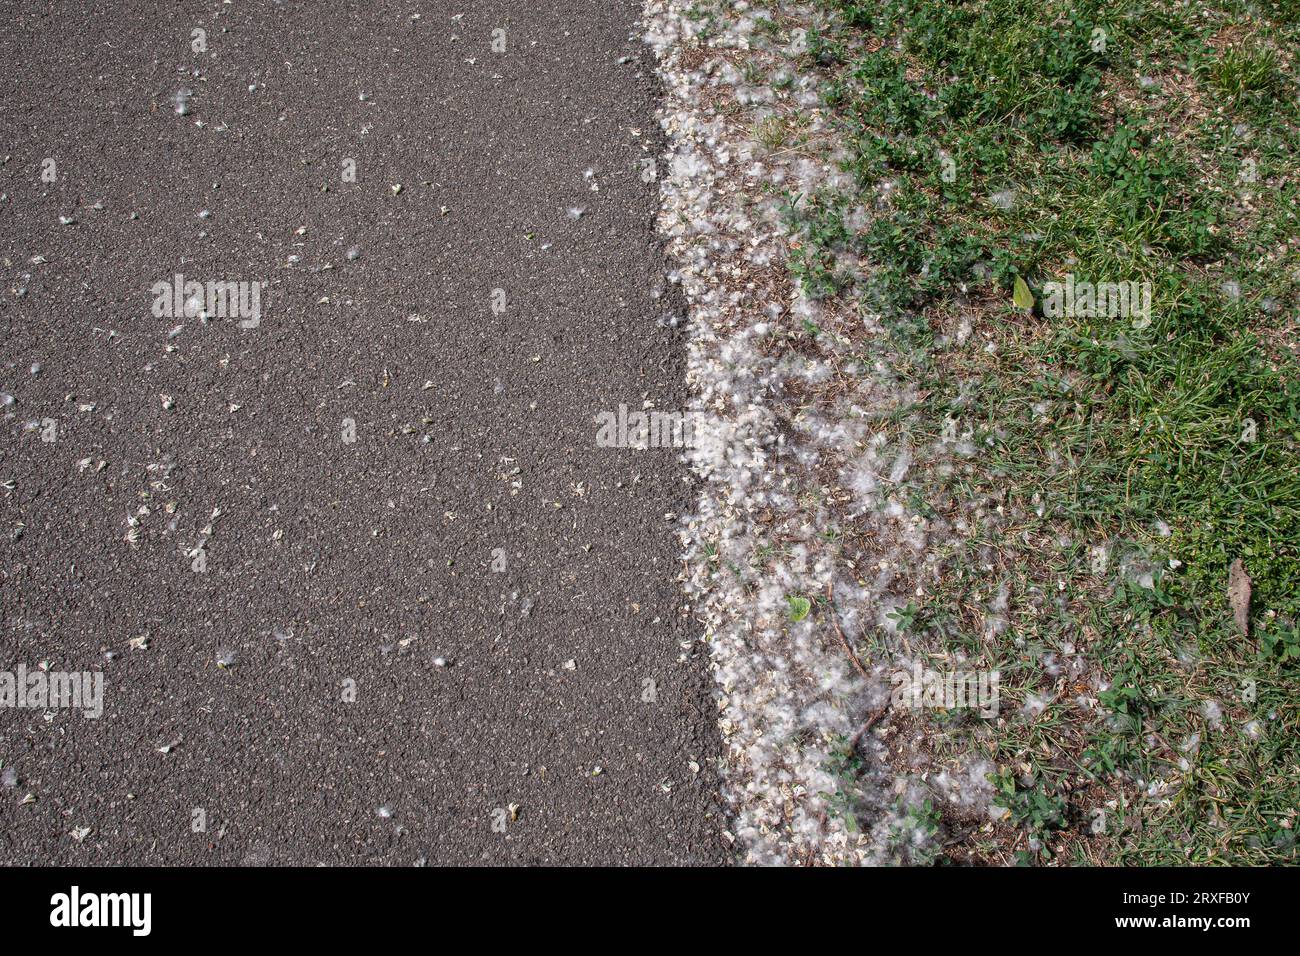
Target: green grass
[
  {"x": 1247, "y": 75},
  {"x": 1114, "y": 142}
]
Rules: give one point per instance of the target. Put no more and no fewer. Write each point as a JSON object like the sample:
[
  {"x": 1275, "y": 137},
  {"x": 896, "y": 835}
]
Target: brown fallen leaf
[{"x": 1239, "y": 595}]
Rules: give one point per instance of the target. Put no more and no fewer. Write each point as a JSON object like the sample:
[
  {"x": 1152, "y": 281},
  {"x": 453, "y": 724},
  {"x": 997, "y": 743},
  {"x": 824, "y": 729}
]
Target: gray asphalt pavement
[{"x": 361, "y": 586}]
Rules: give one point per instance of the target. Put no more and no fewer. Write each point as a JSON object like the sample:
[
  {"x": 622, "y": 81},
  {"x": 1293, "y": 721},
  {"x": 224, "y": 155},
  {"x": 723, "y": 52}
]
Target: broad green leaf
[{"x": 1023, "y": 298}]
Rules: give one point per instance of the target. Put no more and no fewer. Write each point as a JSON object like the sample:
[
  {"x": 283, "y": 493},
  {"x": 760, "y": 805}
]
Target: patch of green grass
[
  {"x": 1246, "y": 75},
  {"x": 1167, "y": 438},
  {"x": 1206, "y": 723}
]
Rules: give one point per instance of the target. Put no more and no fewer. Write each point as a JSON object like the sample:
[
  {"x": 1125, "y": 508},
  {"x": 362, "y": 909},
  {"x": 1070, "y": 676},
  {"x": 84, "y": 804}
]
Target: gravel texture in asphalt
[{"x": 360, "y": 583}]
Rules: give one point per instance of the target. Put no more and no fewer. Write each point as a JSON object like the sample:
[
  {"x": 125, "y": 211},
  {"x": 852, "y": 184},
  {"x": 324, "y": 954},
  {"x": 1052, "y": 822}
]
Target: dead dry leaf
[{"x": 1239, "y": 595}]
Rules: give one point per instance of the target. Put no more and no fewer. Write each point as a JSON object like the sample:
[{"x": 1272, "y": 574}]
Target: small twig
[
  {"x": 959, "y": 837},
  {"x": 844, "y": 641},
  {"x": 862, "y": 731},
  {"x": 857, "y": 665}
]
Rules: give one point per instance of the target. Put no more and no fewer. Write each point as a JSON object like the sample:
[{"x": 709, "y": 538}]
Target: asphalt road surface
[{"x": 361, "y": 585}]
